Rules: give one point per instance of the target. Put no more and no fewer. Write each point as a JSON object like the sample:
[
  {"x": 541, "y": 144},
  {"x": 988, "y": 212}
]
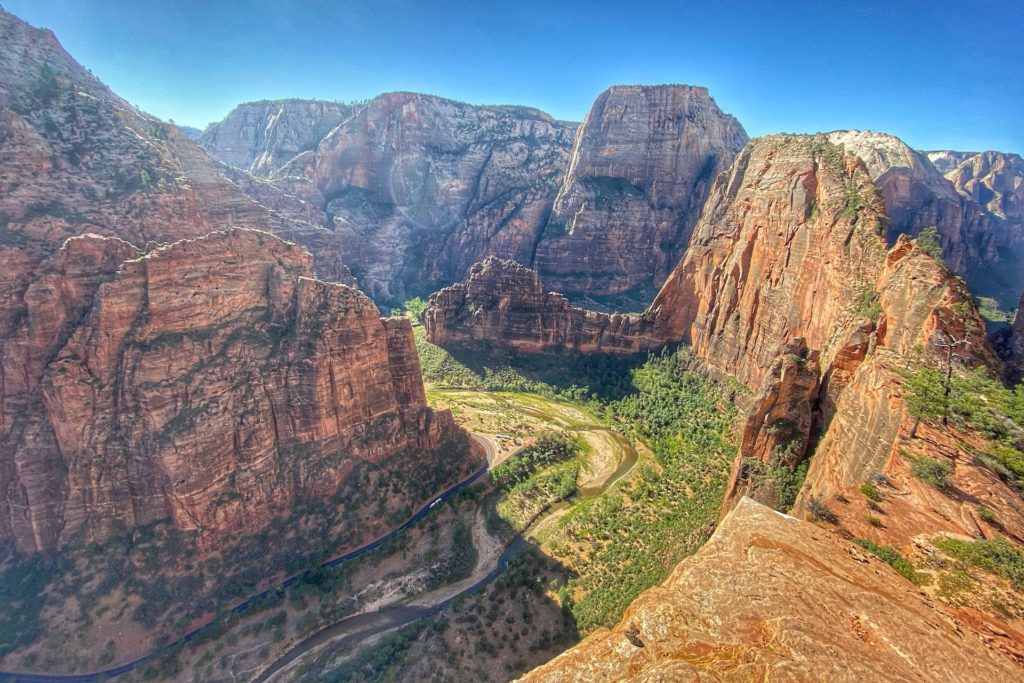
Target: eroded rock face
[
  {"x": 502, "y": 304},
  {"x": 75, "y": 158},
  {"x": 1016, "y": 350},
  {"x": 423, "y": 187},
  {"x": 789, "y": 243},
  {"x": 211, "y": 382},
  {"x": 975, "y": 202},
  {"x": 642, "y": 165},
  {"x": 264, "y": 137},
  {"x": 772, "y": 597}
]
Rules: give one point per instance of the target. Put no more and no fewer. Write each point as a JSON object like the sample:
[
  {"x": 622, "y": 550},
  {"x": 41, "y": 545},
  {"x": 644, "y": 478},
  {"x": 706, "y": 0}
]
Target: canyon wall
[
  {"x": 770, "y": 597},
  {"x": 211, "y": 382},
  {"x": 419, "y": 188},
  {"x": 502, "y": 304},
  {"x": 975, "y": 202},
  {"x": 263, "y": 138},
  {"x": 422, "y": 187},
  {"x": 642, "y": 165}
]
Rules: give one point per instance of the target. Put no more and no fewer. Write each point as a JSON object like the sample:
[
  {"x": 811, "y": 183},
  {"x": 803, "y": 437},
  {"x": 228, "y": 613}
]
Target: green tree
[
  {"x": 928, "y": 241},
  {"x": 416, "y": 306}
]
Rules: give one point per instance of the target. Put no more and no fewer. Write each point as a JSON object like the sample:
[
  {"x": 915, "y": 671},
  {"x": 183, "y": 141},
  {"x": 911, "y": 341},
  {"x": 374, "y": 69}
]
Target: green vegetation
[
  {"x": 997, "y": 556},
  {"x": 608, "y": 190},
  {"x": 867, "y": 304},
  {"x": 871, "y": 492},
  {"x": 549, "y": 449},
  {"x": 538, "y": 476},
  {"x": 932, "y": 472},
  {"x": 415, "y": 307},
  {"x": 985, "y": 513},
  {"x": 892, "y": 557},
  {"x": 852, "y": 201},
  {"x": 21, "y": 594},
  {"x": 976, "y": 401},
  {"x": 629, "y": 538},
  {"x": 928, "y": 241},
  {"x": 782, "y": 481}
]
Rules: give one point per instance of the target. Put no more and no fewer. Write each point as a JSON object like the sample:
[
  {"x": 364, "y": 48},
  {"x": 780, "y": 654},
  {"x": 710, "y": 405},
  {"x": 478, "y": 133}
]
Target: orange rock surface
[
  {"x": 770, "y": 597},
  {"x": 212, "y": 382}
]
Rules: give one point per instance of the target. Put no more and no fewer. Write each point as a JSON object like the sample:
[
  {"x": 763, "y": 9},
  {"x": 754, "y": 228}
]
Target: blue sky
[{"x": 938, "y": 73}]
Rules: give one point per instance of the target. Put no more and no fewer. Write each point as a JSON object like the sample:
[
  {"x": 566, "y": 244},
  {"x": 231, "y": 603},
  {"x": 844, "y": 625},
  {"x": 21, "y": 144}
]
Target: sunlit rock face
[
  {"x": 974, "y": 200},
  {"x": 642, "y": 165},
  {"x": 210, "y": 382},
  {"x": 263, "y": 138},
  {"x": 770, "y": 597},
  {"x": 502, "y": 304}
]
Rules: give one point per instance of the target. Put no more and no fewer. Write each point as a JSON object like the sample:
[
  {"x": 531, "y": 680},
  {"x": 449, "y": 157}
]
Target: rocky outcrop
[
  {"x": 777, "y": 431},
  {"x": 975, "y": 203},
  {"x": 993, "y": 180},
  {"x": 211, "y": 382},
  {"x": 264, "y": 137},
  {"x": 770, "y": 597},
  {"x": 502, "y": 304},
  {"x": 76, "y": 158},
  {"x": 419, "y": 188},
  {"x": 423, "y": 187},
  {"x": 642, "y": 165},
  {"x": 790, "y": 246},
  {"x": 1016, "y": 345}
]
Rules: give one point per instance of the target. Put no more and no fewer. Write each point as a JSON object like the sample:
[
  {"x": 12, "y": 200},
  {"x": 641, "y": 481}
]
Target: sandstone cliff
[
  {"x": 642, "y": 165},
  {"x": 502, "y": 303},
  {"x": 211, "y": 382},
  {"x": 419, "y": 188},
  {"x": 76, "y": 158},
  {"x": 770, "y": 597},
  {"x": 790, "y": 246},
  {"x": 1016, "y": 345},
  {"x": 264, "y": 137},
  {"x": 423, "y": 187},
  {"x": 975, "y": 202}
]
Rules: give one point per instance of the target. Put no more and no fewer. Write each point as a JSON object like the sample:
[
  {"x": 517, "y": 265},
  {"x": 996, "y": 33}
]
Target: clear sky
[{"x": 938, "y": 73}]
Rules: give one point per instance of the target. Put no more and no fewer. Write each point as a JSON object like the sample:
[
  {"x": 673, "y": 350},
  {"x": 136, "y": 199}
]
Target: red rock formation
[
  {"x": 502, "y": 304},
  {"x": 778, "y": 426},
  {"x": 642, "y": 166},
  {"x": 1016, "y": 345},
  {"x": 211, "y": 382},
  {"x": 977, "y": 208},
  {"x": 770, "y": 597}
]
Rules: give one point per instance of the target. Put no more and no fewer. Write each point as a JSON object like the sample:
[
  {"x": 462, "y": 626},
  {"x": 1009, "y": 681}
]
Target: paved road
[{"x": 19, "y": 677}]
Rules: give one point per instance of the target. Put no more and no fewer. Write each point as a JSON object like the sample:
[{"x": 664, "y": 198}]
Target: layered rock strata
[
  {"x": 772, "y": 597},
  {"x": 502, "y": 303},
  {"x": 264, "y": 137},
  {"x": 210, "y": 382},
  {"x": 975, "y": 202},
  {"x": 642, "y": 165}
]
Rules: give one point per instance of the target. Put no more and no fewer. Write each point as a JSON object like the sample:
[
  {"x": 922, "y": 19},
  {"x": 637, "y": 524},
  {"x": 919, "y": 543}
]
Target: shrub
[
  {"x": 871, "y": 492},
  {"x": 997, "y": 556},
  {"x": 932, "y": 472},
  {"x": 867, "y": 305},
  {"x": 985, "y": 514},
  {"x": 893, "y": 558},
  {"x": 873, "y": 521},
  {"x": 820, "y": 511}
]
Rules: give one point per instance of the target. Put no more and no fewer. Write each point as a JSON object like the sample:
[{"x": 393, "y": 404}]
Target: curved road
[{"x": 21, "y": 677}]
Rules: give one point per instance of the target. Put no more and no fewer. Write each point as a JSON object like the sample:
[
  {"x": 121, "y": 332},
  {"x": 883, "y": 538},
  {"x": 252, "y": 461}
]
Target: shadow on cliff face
[
  {"x": 577, "y": 376},
  {"x": 168, "y": 582},
  {"x": 514, "y": 619}
]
